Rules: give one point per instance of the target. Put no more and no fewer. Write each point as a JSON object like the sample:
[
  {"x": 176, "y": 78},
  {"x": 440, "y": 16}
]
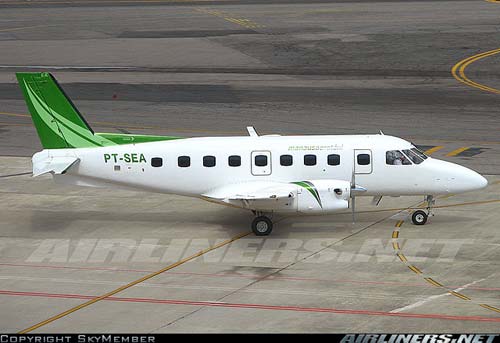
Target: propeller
[
  {"x": 376, "y": 200},
  {"x": 355, "y": 189},
  {"x": 353, "y": 197}
]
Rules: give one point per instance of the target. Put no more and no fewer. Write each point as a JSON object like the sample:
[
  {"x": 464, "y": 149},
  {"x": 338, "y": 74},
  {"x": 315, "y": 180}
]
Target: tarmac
[{"x": 86, "y": 260}]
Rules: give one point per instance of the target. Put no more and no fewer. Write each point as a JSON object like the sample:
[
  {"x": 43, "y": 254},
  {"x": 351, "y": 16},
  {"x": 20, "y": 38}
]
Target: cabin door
[
  {"x": 363, "y": 163},
  {"x": 261, "y": 163}
]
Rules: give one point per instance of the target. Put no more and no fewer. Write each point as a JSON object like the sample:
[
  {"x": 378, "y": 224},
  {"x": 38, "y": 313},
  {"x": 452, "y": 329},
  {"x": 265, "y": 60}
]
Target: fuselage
[
  {"x": 264, "y": 174},
  {"x": 196, "y": 166}
]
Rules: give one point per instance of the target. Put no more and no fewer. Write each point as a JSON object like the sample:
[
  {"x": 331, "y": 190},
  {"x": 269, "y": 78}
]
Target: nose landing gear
[{"x": 419, "y": 217}]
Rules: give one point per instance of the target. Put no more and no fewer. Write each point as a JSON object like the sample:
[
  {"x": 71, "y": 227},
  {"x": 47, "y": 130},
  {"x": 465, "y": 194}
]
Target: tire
[
  {"x": 419, "y": 217},
  {"x": 262, "y": 226}
]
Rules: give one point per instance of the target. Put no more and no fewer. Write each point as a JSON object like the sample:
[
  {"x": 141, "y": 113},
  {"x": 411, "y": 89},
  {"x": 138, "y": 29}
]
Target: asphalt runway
[{"x": 427, "y": 71}]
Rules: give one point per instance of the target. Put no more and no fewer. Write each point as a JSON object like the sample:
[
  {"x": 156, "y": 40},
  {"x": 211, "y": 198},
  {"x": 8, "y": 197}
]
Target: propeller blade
[
  {"x": 353, "y": 201},
  {"x": 376, "y": 200},
  {"x": 353, "y": 208}
]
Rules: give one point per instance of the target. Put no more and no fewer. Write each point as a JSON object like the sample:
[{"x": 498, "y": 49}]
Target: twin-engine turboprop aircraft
[{"x": 265, "y": 174}]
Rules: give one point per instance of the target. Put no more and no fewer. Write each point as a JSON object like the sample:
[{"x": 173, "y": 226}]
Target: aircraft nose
[
  {"x": 478, "y": 181},
  {"x": 468, "y": 180},
  {"x": 456, "y": 178}
]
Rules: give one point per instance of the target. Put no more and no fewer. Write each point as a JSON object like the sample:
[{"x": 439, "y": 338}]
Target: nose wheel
[
  {"x": 419, "y": 217},
  {"x": 262, "y": 226}
]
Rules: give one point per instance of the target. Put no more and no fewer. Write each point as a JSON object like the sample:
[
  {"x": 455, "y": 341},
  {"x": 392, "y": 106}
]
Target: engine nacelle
[{"x": 322, "y": 195}]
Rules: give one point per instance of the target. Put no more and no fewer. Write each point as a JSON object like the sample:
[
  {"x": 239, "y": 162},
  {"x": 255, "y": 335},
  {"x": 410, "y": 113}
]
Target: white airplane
[{"x": 265, "y": 174}]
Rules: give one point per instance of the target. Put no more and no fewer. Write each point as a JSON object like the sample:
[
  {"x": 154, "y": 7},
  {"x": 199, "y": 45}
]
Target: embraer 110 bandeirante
[{"x": 265, "y": 174}]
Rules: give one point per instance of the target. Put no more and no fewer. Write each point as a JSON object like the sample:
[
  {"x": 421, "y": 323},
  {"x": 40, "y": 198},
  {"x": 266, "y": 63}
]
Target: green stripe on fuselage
[{"x": 311, "y": 188}]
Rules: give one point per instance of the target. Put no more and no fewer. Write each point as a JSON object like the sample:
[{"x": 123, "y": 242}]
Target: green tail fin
[{"x": 57, "y": 121}]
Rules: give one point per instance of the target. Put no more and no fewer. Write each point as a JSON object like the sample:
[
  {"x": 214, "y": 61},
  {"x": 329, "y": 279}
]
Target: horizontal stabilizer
[{"x": 55, "y": 165}]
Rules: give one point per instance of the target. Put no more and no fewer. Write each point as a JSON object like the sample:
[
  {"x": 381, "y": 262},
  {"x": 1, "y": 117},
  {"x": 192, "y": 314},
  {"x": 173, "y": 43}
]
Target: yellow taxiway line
[
  {"x": 458, "y": 71},
  {"x": 433, "y": 150},
  {"x": 20, "y": 28},
  {"x": 416, "y": 270},
  {"x": 457, "y": 151},
  {"x": 238, "y": 21},
  {"x": 133, "y": 283}
]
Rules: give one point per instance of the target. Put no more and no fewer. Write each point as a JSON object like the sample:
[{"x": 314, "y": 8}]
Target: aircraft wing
[
  {"x": 43, "y": 164},
  {"x": 257, "y": 190},
  {"x": 303, "y": 196}
]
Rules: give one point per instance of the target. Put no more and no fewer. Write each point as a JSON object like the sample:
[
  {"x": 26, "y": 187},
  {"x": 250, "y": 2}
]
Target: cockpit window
[
  {"x": 419, "y": 153},
  {"x": 396, "y": 157},
  {"x": 417, "y": 157}
]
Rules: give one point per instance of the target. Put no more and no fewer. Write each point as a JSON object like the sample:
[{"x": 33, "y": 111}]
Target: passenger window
[
  {"x": 333, "y": 160},
  {"x": 184, "y": 161},
  {"x": 395, "y": 158},
  {"x": 261, "y": 160},
  {"x": 363, "y": 159},
  {"x": 209, "y": 161},
  {"x": 286, "y": 160},
  {"x": 310, "y": 160},
  {"x": 156, "y": 162},
  {"x": 234, "y": 161}
]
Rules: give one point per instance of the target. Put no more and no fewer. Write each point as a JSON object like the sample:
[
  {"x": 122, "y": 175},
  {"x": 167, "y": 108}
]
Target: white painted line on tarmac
[{"x": 432, "y": 297}]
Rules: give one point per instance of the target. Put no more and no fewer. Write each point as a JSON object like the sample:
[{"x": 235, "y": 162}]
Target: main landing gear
[
  {"x": 419, "y": 217},
  {"x": 262, "y": 225}
]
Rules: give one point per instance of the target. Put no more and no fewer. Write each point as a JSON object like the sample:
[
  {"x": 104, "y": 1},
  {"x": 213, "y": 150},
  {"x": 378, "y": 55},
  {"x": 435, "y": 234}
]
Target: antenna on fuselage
[
  {"x": 251, "y": 131},
  {"x": 381, "y": 133}
]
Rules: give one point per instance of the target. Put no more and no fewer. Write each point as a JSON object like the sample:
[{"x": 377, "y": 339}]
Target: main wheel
[
  {"x": 262, "y": 226},
  {"x": 419, "y": 217}
]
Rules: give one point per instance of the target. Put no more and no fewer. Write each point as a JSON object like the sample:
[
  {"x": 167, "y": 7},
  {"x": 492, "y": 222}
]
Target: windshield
[
  {"x": 419, "y": 153},
  {"x": 415, "y": 155}
]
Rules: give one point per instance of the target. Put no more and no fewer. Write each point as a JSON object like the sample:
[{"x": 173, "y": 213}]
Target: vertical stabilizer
[{"x": 57, "y": 121}]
